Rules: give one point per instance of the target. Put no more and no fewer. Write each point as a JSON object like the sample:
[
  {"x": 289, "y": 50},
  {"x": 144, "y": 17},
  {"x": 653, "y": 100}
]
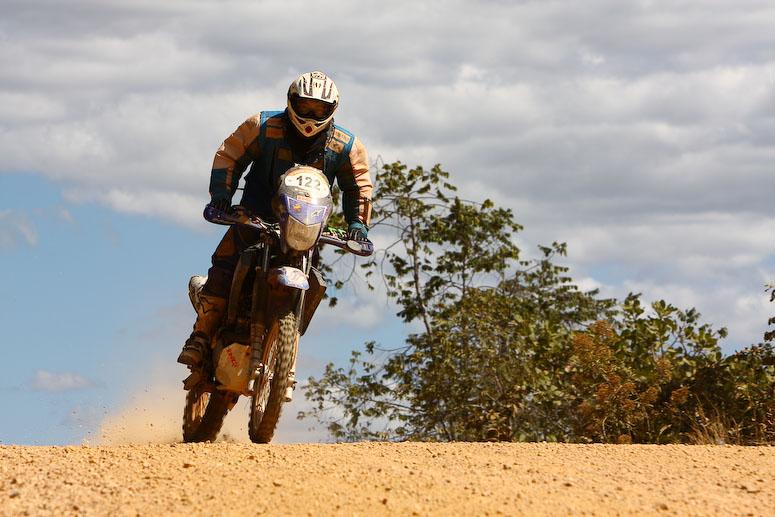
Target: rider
[{"x": 274, "y": 141}]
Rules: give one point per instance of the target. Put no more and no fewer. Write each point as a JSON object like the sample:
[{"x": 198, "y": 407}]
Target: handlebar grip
[
  {"x": 362, "y": 248},
  {"x": 216, "y": 216}
]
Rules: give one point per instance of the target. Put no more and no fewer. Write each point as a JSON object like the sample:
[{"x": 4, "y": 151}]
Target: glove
[
  {"x": 357, "y": 231},
  {"x": 222, "y": 204}
]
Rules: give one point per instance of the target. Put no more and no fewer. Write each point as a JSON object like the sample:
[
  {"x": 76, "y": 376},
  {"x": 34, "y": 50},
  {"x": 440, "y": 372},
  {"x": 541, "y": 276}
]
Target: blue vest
[{"x": 276, "y": 157}]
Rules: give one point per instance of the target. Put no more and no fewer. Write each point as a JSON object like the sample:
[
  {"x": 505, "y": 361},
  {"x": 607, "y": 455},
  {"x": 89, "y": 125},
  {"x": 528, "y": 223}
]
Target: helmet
[{"x": 312, "y": 100}]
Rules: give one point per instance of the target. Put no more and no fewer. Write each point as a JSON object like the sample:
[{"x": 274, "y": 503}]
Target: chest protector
[{"x": 276, "y": 156}]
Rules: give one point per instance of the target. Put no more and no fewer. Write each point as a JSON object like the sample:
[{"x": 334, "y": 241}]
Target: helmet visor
[{"x": 312, "y": 108}]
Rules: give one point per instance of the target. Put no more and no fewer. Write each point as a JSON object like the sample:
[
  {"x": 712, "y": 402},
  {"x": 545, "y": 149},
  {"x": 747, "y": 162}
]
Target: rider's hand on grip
[
  {"x": 224, "y": 205},
  {"x": 220, "y": 212},
  {"x": 362, "y": 248},
  {"x": 358, "y": 231},
  {"x": 358, "y": 239}
]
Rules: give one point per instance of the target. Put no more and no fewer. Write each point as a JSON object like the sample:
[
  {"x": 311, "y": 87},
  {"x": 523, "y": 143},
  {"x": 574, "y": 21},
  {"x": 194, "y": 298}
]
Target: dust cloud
[{"x": 153, "y": 413}]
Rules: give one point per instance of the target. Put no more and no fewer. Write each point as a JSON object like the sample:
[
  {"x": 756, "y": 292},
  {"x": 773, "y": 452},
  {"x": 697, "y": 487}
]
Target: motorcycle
[{"x": 275, "y": 291}]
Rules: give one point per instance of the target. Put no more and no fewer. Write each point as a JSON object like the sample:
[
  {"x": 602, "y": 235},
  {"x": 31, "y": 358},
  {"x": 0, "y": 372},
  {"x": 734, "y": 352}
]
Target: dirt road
[{"x": 382, "y": 479}]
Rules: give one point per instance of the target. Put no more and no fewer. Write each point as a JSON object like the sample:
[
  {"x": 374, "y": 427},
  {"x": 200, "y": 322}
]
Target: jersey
[{"x": 261, "y": 143}]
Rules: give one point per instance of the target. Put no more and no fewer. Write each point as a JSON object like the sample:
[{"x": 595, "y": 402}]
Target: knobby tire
[
  {"x": 204, "y": 414},
  {"x": 263, "y": 420}
]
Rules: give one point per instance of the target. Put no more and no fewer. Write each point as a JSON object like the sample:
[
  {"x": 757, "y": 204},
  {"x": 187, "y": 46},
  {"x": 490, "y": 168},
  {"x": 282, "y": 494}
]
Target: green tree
[
  {"x": 507, "y": 348},
  {"x": 494, "y": 328},
  {"x": 769, "y": 336}
]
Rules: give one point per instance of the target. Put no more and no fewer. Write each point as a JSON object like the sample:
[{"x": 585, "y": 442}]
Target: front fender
[{"x": 288, "y": 277}]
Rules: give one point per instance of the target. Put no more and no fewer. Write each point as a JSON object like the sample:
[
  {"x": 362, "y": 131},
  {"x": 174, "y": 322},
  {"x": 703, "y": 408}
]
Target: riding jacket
[{"x": 262, "y": 142}]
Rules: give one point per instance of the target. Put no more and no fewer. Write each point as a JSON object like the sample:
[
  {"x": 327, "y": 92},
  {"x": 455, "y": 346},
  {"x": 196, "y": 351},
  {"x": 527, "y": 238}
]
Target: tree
[
  {"x": 510, "y": 349},
  {"x": 769, "y": 336},
  {"x": 492, "y": 325}
]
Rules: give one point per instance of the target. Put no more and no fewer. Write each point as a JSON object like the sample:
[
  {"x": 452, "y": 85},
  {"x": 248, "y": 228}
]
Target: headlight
[
  {"x": 302, "y": 222},
  {"x": 300, "y": 237}
]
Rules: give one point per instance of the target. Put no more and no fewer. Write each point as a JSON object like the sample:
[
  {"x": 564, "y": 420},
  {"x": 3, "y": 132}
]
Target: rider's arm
[
  {"x": 355, "y": 183},
  {"x": 233, "y": 157}
]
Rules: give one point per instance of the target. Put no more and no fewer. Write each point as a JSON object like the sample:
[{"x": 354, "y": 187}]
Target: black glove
[
  {"x": 358, "y": 231},
  {"x": 222, "y": 204}
]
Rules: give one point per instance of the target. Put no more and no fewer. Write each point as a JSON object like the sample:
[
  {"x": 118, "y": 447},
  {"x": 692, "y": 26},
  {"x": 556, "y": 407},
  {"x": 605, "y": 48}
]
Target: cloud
[
  {"x": 641, "y": 133},
  {"x": 16, "y": 228},
  {"x": 58, "y": 382},
  {"x": 169, "y": 205},
  {"x": 742, "y": 309},
  {"x": 358, "y": 312}
]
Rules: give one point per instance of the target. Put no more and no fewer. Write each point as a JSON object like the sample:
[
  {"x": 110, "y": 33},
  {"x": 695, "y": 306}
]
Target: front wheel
[
  {"x": 204, "y": 413},
  {"x": 269, "y": 388}
]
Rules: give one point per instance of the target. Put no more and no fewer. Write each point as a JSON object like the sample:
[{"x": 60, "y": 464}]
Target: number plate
[{"x": 315, "y": 184}]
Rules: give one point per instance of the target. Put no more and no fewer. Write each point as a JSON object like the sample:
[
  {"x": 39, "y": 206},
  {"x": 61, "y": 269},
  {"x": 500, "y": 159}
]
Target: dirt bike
[{"x": 274, "y": 294}]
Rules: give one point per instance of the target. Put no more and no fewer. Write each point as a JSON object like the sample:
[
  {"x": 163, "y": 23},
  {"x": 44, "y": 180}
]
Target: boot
[{"x": 210, "y": 311}]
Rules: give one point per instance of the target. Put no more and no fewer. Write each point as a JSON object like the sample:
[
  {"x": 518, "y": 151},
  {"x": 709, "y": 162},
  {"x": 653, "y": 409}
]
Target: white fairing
[
  {"x": 304, "y": 207},
  {"x": 195, "y": 285},
  {"x": 234, "y": 367}
]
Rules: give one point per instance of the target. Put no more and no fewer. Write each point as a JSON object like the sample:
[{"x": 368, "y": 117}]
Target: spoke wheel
[
  {"x": 269, "y": 394},
  {"x": 203, "y": 415}
]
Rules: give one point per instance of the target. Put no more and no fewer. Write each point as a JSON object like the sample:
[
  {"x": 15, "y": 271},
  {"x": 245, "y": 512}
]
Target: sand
[{"x": 387, "y": 479}]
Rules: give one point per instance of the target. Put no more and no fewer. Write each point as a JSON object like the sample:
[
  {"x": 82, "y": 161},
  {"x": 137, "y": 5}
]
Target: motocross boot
[{"x": 210, "y": 310}]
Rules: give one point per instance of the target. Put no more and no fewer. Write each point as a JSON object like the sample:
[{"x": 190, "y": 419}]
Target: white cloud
[
  {"x": 16, "y": 228},
  {"x": 742, "y": 309},
  {"x": 18, "y": 108},
  {"x": 362, "y": 313},
  {"x": 172, "y": 205},
  {"x": 640, "y": 132},
  {"x": 692, "y": 244},
  {"x": 58, "y": 382}
]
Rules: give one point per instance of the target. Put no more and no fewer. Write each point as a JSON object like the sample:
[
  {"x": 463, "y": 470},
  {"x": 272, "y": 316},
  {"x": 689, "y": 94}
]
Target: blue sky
[
  {"x": 81, "y": 298},
  {"x": 642, "y": 133},
  {"x": 97, "y": 312}
]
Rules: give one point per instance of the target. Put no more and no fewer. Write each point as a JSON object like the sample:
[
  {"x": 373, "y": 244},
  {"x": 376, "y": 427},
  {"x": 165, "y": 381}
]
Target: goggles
[{"x": 312, "y": 108}]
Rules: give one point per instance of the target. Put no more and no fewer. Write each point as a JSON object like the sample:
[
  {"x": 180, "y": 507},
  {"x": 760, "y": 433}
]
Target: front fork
[
  {"x": 306, "y": 264},
  {"x": 268, "y": 298}
]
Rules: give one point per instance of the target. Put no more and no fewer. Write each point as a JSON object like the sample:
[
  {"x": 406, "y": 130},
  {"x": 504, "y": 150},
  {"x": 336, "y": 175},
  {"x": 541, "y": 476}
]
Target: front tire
[
  {"x": 204, "y": 413},
  {"x": 269, "y": 394}
]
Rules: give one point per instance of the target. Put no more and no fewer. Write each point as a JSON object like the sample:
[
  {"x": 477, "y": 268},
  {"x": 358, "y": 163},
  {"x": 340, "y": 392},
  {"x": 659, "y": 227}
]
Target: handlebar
[{"x": 329, "y": 236}]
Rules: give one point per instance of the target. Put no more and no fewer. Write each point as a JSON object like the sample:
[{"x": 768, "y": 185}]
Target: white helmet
[{"x": 312, "y": 100}]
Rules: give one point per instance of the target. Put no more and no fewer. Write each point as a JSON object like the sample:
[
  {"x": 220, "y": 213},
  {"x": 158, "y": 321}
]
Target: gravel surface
[{"x": 387, "y": 479}]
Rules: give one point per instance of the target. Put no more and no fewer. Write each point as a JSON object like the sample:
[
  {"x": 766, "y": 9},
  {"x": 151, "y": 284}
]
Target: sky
[{"x": 642, "y": 133}]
